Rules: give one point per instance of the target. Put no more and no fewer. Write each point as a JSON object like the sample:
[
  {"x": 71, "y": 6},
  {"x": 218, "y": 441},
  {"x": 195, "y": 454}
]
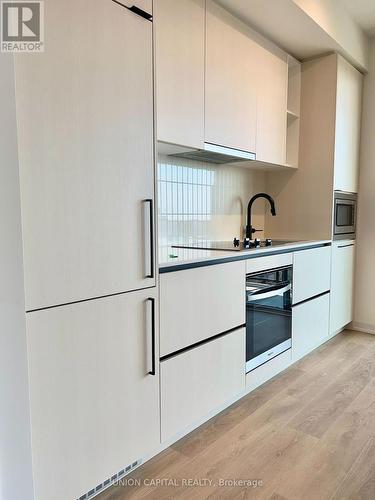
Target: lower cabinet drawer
[
  {"x": 199, "y": 303},
  {"x": 268, "y": 370},
  {"x": 311, "y": 273},
  {"x": 310, "y": 325},
  {"x": 200, "y": 380}
]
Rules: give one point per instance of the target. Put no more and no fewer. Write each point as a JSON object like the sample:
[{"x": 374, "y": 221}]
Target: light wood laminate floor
[{"x": 309, "y": 433}]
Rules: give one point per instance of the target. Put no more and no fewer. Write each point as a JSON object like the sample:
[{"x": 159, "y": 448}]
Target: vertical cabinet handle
[
  {"x": 149, "y": 236},
  {"x": 151, "y": 325}
]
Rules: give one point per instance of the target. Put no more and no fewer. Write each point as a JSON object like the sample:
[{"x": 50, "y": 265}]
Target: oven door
[
  {"x": 345, "y": 217},
  {"x": 268, "y": 316}
]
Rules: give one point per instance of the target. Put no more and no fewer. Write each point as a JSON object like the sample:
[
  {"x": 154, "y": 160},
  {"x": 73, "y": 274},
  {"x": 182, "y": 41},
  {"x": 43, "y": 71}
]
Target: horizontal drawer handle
[{"x": 266, "y": 295}]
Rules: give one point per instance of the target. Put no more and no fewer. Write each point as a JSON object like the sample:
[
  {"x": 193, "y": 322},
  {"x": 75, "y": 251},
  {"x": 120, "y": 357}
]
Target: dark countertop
[{"x": 186, "y": 258}]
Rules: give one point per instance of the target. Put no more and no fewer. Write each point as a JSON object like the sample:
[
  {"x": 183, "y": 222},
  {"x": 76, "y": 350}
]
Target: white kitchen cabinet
[
  {"x": 231, "y": 81},
  {"x": 200, "y": 380},
  {"x": 180, "y": 46},
  {"x": 94, "y": 406},
  {"x": 311, "y": 273},
  {"x": 196, "y": 304},
  {"x": 328, "y": 150},
  {"x": 342, "y": 282},
  {"x": 348, "y": 126},
  {"x": 268, "y": 262},
  {"x": 272, "y": 74},
  {"x": 85, "y": 124},
  {"x": 310, "y": 325}
]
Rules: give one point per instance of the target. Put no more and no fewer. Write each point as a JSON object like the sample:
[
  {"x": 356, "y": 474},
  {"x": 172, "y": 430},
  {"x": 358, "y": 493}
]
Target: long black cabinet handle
[
  {"x": 344, "y": 246},
  {"x": 151, "y": 300},
  {"x": 311, "y": 298},
  {"x": 140, "y": 12},
  {"x": 136, "y": 10},
  {"x": 151, "y": 274}
]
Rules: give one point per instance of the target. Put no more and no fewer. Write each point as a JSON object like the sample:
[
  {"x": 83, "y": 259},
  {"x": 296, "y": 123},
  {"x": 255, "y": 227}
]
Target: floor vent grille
[{"x": 108, "y": 482}]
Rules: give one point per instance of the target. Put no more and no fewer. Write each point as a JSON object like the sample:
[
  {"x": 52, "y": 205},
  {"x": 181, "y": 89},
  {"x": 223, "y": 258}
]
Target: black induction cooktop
[{"x": 229, "y": 245}]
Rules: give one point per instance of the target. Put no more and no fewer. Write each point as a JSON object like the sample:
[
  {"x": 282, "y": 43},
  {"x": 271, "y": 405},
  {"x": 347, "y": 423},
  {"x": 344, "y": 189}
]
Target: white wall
[
  {"x": 364, "y": 312},
  {"x": 332, "y": 17},
  {"x": 15, "y": 442}
]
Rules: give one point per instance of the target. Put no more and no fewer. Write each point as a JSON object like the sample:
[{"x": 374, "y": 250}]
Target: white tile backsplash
[{"x": 201, "y": 201}]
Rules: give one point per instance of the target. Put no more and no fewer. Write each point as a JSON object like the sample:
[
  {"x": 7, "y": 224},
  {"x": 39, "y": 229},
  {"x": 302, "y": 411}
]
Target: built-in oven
[
  {"x": 268, "y": 315},
  {"x": 345, "y": 214}
]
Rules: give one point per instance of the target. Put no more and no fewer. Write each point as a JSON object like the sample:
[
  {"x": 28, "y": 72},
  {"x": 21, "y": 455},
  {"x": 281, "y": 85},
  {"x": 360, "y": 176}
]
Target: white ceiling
[
  {"x": 300, "y": 34},
  {"x": 286, "y": 24},
  {"x": 363, "y": 12}
]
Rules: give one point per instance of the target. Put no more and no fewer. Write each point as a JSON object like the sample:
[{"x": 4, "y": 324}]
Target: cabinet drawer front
[
  {"x": 200, "y": 380},
  {"x": 311, "y": 273},
  {"x": 269, "y": 262},
  {"x": 265, "y": 372},
  {"x": 310, "y": 325},
  {"x": 199, "y": 303}
]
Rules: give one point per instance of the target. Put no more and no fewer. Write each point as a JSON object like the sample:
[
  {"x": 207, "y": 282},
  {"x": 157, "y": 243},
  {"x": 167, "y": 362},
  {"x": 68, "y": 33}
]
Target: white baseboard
[{"x": 363, "y": 327}]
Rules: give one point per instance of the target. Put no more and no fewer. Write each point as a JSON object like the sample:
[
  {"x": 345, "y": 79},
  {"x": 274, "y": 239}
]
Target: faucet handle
[{"x": 253, "y": 230}]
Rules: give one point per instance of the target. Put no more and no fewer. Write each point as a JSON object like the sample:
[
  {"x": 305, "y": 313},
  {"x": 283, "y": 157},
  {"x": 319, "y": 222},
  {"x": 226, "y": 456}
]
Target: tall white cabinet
[
  {"x": 85, "y": 130},
  {"x": 86, "y": 141},
  {"x": 342, "y": 281},
  {"x": 94, "y": 402},
  {"x": 330, "y": 118}
]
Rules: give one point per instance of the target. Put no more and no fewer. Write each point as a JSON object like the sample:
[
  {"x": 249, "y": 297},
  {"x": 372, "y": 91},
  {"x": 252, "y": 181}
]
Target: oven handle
[{"x": 266, "y": 295}]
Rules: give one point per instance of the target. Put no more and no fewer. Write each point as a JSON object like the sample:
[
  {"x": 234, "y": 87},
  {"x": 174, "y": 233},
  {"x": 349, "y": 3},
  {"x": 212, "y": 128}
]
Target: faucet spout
[{"x": 249, "y": 229}]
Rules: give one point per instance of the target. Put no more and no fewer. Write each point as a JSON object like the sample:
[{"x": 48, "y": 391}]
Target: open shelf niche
[{"x": 293, "y": 112}]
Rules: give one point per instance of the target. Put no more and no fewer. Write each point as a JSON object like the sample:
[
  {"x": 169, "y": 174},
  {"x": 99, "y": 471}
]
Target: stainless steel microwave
[{"x": 345, "y": 215}]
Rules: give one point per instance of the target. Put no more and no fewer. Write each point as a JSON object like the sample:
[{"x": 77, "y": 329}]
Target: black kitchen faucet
[{"x": 249, "y": 229}]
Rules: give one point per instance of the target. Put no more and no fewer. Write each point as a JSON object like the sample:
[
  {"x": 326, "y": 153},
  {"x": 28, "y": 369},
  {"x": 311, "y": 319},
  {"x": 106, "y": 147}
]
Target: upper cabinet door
[
  {"x": 85, "y": 118},
  {"x": 231, "y": 81},
  {"x": 272, "y": 72},
  {"x": 179, "y": 45},
  {"x": 348, "y": 126}
]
